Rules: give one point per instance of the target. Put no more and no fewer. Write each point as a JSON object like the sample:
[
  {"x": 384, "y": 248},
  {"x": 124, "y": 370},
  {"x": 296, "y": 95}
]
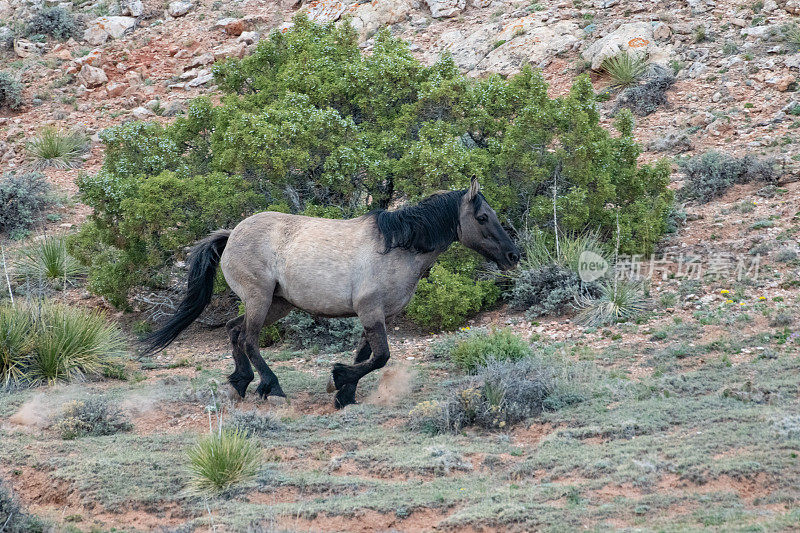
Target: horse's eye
[{"x": 482, "y": 219}]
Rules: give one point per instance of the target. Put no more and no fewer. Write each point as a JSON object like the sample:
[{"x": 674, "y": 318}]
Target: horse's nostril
[{"x": 513, "y": 257}]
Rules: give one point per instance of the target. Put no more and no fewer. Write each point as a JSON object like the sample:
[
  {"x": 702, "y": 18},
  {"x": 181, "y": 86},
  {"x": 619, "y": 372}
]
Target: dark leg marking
[
  {"x": 243, "y": 374},
  {"x": 346, "y": 377}
]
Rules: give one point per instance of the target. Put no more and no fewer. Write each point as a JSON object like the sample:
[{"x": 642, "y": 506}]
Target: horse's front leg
[
  {"x": 345, "y": 377},
  {"x": 348, "y": 393}
]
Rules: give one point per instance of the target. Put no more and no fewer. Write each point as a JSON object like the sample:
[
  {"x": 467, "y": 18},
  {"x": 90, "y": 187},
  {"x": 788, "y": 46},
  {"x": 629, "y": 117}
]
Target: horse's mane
[{"x": 427, "y": 226}]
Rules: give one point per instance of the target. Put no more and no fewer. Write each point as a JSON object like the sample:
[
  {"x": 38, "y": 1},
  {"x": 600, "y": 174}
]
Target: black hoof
[
  {"x": 346, "y": 396},
  {"x": 269, "y": 388},
  {"x": 340, "y": 376},
  {"x": 239, "y": 383}
]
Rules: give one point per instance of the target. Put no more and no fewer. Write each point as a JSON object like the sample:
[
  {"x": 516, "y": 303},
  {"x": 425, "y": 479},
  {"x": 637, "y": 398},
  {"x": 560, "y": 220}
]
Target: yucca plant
[
  {"x": 56, "y": 148},
  {"x": 16, "y": 343},
  {"x": 540, "y": 250},
  {"x": 222, "y": 459},
  {"x": 618, "y": 301},
  {"x": 47, "y": 259},
  {"x": 625, "y": 68},
  {"x": 70, "y": 342}
]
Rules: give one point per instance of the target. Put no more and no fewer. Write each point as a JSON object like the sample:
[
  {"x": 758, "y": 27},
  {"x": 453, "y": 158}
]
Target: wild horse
[{"x": 367, "y": 267}]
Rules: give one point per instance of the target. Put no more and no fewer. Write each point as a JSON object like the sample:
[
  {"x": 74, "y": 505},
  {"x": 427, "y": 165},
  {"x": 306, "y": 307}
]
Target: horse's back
[{"x": 314, "y": 263}]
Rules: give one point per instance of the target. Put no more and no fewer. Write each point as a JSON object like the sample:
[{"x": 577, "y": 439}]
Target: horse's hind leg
[
  {"x": 257, "y": 314},
  {"x": 243, "y": 374}
]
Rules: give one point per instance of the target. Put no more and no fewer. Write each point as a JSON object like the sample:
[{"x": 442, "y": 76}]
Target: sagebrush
[
  {"x": 56, "y": 22},
  {"x": 92, "y": 417},
  {"x": 10, "y": 91},
  {"x": 711, "y": 174},
  {"x": 23, "y": 200},
  {"x": 549, "y": 290},
  {"x": 503, "y": 393}
]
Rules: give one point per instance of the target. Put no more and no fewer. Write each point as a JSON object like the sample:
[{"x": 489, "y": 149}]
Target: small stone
[
  {"x": 115, "y": 89},
  {"x": 90, "y": 76},
  {"x": 179, "y": 9},
  {"x": 234, "y": 28},
  {"x": 24, "y": 48},
  {"x": 142, "y": 113},
  {"x": 717, "y": 97}
]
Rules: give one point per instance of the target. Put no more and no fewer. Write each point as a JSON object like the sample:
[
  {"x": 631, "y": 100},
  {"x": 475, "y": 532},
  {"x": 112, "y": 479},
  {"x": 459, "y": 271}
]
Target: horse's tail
[{"x": 203, "y": 262}]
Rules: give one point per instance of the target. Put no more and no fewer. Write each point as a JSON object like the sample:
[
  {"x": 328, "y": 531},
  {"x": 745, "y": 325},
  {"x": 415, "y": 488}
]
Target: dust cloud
[{"x": 394, "y": 385}]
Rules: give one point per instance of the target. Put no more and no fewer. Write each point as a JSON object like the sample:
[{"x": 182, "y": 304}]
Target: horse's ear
[{"x": 474, "y": 188}]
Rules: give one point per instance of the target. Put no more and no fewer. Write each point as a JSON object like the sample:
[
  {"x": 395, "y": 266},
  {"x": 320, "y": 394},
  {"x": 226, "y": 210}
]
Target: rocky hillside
[{"x": 736, "y": 65}]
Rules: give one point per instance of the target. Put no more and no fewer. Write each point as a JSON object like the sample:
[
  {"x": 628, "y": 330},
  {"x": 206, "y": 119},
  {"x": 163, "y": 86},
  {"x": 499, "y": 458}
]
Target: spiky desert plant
[
  {"x": 618, "y": 300},
  {"x": 625, "y": 68},
  {"x": 70, "y": 342},
  {"x": 222, "y": 459},
  {"x": 56, "y": 148},
  {"x": 16, "y": 343},
  {"x": 47, "y": 259}
]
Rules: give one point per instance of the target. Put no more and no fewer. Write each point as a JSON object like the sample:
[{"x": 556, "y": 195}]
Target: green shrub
[
  {"x": 618, "y": 301},
  {"x": 136, "y": 233},
  {"x": 57, "y": 149},
  {"x": 312, "y": 124},
  {"x": 254, "y": 423},
  {"x": 303, "y": 331},
  {"x": 13, "y": 519},
  {"x": 625, "y": 68},
  {"x": 477, "y": 349},
  {"x": 62, "y": 343},
  {"x": 445, "y": 299},
  {"x": 223, "y": 459},
  {"x": 503, "y": 393},
  {"x": 550, "y": 290},
  {"x": 47, "y": 259},
  {"x": 10, "y": 91},
  {"x": 23, "y": 199},
  {"x": 711, "y": 174},
  {"x": 56, "y": 22},
  {"x": 92, "y": 417}
]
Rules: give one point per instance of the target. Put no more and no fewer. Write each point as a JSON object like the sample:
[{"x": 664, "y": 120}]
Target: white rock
[
  {"x": 25, "y": 48},
  {"x": 249, "y": 37},
  {"x": 92, "y": 58},
  {"x": 537, "y": 47},
  {"x": 142, "y": 113},
  {"x": 202, "y": 78},
  {"x": 179, "y": 8},
  {"x": 792, "y": 61},
  {"x": 467, "y": 50},
  {"x": 90, "y": 76},
  {"x": 446, "y": 8},
  {"x": 102, "y": 28},
  {"x": 131, "y": 8},
  {"x": 632, "y": 37},
  {"x": 370, "y": 17},
  {"x": 480, "y": 3},
  {"x": 221, "y": 23},
  {"x": 324, "y": 11}
]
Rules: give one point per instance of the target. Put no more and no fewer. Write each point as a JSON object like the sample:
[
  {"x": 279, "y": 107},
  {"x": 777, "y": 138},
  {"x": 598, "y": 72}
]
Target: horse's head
[{"x": 480, "y": 230}]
